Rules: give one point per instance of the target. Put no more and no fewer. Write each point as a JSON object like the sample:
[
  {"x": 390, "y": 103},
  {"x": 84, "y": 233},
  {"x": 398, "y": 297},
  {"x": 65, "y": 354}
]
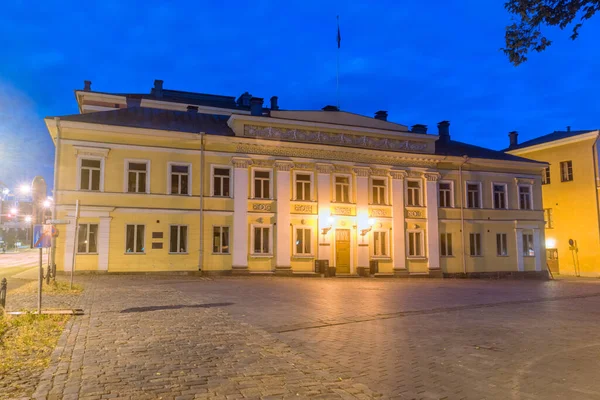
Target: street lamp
[
  {"x": 25, "y": 189},
  {"x": 28, "y": 218},
  {"x": 14, "y": 211}
]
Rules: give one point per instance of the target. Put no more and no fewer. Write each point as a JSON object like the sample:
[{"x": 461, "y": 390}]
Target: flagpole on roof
[{"x": 339, "y": 40}]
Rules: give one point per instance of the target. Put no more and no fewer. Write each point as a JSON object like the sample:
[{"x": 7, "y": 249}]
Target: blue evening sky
[{"x": 423, "y": 61}]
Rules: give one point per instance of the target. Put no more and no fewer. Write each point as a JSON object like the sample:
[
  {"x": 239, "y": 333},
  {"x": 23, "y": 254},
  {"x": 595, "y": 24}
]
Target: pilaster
[
  {"x": 540, "y": 253},
  {"x": 324, "y": 203},
  {"x": 433, "y": 236},
  {"x": 519, "y": 241},
  {"x": 362, "y": 214},
  {"x": 69, "y": 246},
  {"x": 284, "y": 241},
  {"x": 240, "y": 214},
  {"x": 103, "y": 243},
  {"x": 399, "y": 223}
]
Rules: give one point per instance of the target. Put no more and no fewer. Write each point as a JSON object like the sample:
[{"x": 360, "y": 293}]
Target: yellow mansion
[
  {"x": 570, "y": 187},
  {"x": 181, "y": 181}
]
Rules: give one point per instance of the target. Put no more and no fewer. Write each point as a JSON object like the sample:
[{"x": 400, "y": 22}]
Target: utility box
[
  {"x": 373, "y": 267},
  {"x": 322, "y": 267}
]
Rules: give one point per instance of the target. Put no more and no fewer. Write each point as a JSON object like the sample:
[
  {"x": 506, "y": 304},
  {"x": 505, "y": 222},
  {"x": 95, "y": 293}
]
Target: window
[
  {"x": 90, "y": 174},
  {"x": 134, "y": 242},
  {"x": 380, "y": 244},
  {"x": 136, "y": 176},
  {"x": 475, "y": 244},
  {"x": 566, "y": 171},
  {"x": 87, "y": 238},
  {"x": 473, "y": 195},
  {"x": 342, "y": 189},
  {"x": 549, "y": 221},
  {"x": 525, "y": 198},
  {"x": 262, "y": 236},
  {"x": 528, "y": 245},
  {"x": 415, "y": 244},
  {"x": 262, "y": 184},
  {"x": 499, "y": 190},
  {"x": 303, "y": 187},
  {"x": 446, "y": 244},
  {"x": 546, "y": 176},
  {"x": 413, "y": 193},
  {"x": 178, "y": 242},
  {"x": 501, "y": 249},
  {"x": 180, "y": 179},
  {"x": 445, "y": 193},
  {"x": 303, "y": 241},
  {"x": 221, "y": 182},
  {"x": 378, "y": 188},
  {"x": 221, "y": 239}
]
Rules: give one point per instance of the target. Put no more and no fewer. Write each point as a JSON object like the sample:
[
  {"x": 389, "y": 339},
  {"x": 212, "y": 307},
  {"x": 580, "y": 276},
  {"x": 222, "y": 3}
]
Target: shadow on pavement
[{"x": 174, "y": 307}]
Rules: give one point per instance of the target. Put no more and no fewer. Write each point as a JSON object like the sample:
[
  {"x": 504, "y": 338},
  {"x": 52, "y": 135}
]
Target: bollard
[{"x": 3, "y": 290}]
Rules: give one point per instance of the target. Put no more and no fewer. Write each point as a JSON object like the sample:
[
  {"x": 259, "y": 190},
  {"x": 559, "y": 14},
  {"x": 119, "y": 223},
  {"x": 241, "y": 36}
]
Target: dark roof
[
  {"x": 551, "y": 137},
  {"x": 459, "y": 149},
  {"x": 154, "y": 118}
]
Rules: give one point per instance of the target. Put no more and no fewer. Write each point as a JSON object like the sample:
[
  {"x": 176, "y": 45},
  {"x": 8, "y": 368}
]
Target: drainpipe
[
  {"x": 55, "y": 193},
  {"x": 462, "y": 214},
  {"x": 201, "y": 236}
]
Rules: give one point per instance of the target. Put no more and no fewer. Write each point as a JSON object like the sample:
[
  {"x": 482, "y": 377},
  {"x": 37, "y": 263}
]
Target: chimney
[
  {"x": 382, "y": 115},
  {"x": 193, "y": 109},
  {"x": 444, "y": 131},
  {"x": 87, "y": 86},
  {"x": 256, "y": 105},
  {"x": 244, "y": 100},
  {"x": 514, "y": 141},
  {"x": 330, "y": 108},
  {"x": 419, "y": 128},
  {"x": 274, "y": 105},
  {"x": 158, "y": 88},
  {"x": 134, "y": 100}
]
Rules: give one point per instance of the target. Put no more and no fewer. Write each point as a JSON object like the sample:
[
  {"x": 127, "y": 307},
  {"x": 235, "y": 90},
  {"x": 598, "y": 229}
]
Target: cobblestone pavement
[{"x": 174, "y": 337}]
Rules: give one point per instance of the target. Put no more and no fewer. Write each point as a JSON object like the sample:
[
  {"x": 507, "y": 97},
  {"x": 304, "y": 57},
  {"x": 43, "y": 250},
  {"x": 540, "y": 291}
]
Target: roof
[
  {"x": 339, "y": 118},
  {"x": 551, "y": 137},
  {"x": 154, "y": 118},
  {"x": 459, "y": 149}
]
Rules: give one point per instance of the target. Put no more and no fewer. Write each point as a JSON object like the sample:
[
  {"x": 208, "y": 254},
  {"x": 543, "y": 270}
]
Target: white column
[
  {"x": 284, "y": 239},
  {"x": 519, "y": 240},
  {"x": 433, "y": 236},
  {"x": 539, "y": 252},
  {"x": 103, "y": 243},
  {"x": 68, "y": 242},
  {"x": 324, "y": 203},
  {"x": 399, "y": 225},
  {"x": 240, "y": 213},
  {"x": 362, "y": 215}
]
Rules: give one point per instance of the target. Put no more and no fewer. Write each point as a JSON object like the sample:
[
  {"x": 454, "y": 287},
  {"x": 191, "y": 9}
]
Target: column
[
  {"x": 284, "y": 240},
  {"x": 433, "y": 235},
  {"x": 362, "y": 218},
  {"x": 540, "y": 253},
  {"x": 240, "y": 214},
  {"x": 324, "y": 211},
  {"x": 69, "y": 247},
  {"x": 399, "y": 224},
  {"x": 103, "y": 243},
  {"x": 519, "y": 240}
]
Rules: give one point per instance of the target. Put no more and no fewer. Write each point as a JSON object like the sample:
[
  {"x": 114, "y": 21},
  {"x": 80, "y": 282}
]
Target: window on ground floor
[
  {"x": 178, "y": 240},
  {"x": 380, "y": 248},
  {"x": 446, "y": 244},
  {"x": 221, "y": 239},
  {"x": 475, "y": 244},
  {"x": 262, "y": 239},
  {"x": 303, "y": 241},
  {"x": 87, "y": 238},
  {"x": 415, "y": 244},
  {"x": 134, "y": 241},
  {"x": 528, "y": 245},
  {"x": 501, "y": 246}
]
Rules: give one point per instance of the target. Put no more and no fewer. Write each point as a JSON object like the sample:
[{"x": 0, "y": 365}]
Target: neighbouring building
[
  {"x": 570, "y": 185},
  {"x": 180, "y": 181}
]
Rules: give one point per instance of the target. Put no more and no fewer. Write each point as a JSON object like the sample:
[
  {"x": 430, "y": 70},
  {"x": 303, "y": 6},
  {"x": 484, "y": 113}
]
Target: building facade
[
  {"x": 570, "y": 187},
  {"x": 179, "y": 181}
]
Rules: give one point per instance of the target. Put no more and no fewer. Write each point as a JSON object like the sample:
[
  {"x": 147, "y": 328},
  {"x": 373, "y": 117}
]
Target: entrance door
[
  {"x": 342, "y": 251},
  {"x": 552, "y": 260}
]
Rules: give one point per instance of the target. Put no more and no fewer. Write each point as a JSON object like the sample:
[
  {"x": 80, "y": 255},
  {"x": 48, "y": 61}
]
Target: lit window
[
  {"x": 180, "y": 179},
  {"x": 525, "y": 198},
  {"x": 136, "y": 177},
  {"x": 342, "y": 189},
  {"x": 221, "y": 239},
  {"x": 303, "y": 187},
  {"x": 378, "y": 187},
  {"x": 566, "y": 171},
  {"x": 446, "y": 244},
  {"x": 445, "y": 193},
  {"x": 473, "y": 195},
  {"x": 262, "y": 184},
  {"x": 499, "y": 196},
  {"x": 261, "y": 240},
  {"x": 528, "y": 245},
  {"x": 413, "y": 192},
  {"x": 134, "y": 242},
  {"x": 501, "y": 249},
  {"x": 178, "y": 239},
  {"x": 87, "y": 238},
  {"x": 90, "y": 174},
  {"x": 475, "y": 244},
  {"x": 221, "y": 182},
  {"x": 379, "y": 243},
  {"x": 415, "y": 246},
  {"x": 546, "y": 176},
  {"x": 303, "y": 241}
]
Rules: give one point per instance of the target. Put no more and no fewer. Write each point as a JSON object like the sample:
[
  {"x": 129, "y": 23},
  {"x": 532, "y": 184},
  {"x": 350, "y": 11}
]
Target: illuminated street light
[
  {"x": 25, "y": 189},
  {"x": 46, "y": 203},
  {"x": 28, "y": 218},
  {"x": 14, "y": 211},
  {"x": 5, "y": 191}
]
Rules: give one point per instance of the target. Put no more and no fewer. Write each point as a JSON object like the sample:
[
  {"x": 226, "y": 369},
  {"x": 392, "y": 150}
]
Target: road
[{"x": 12, "y": 264}]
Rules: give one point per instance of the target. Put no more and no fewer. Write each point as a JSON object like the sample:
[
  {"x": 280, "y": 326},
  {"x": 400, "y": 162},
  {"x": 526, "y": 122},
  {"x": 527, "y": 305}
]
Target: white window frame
[
  {"x": 187, "y": 241},
  {"x": 386, "y": 243},
  {"x": 87, "y": 251},
  {"x": 450, "y": 247},
  {"x": 505, "y": 195},
  {"x": 422, "y": 242},
  {"x": 546, "y": 176},
  {"x": 135, "y": 237},
  {"x": 270, "y": 253},
  {"x": 451, "y": 182},
  {"x": 385, "y": 190},
  {"x": 503, "y": 244},
  {"x": 170, "y": 164},
  {"x": 295, "y": 236},
  {"x": 126, "y": 174},
  {"x": 530, "y": 187},
  {"x": 221, "y": 252},
  {"x": 212, "y": 180},
  {"x": 420, "y": 182},
  {"x": 334, "y": 191},
  {"x": 478, "y": 183},
  {"x": 526, "y": 242},
  {"x": 480, "y": 244},
  {"x": 562, "y": 176},
  {"x": 270, "y": 171},
  {"x": 81, "y": 157},
  {"x": 312, "y": 185}
]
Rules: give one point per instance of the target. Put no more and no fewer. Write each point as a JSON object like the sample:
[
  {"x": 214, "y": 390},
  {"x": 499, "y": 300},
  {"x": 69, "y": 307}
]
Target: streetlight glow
[
  {"x": 5, "y": 191},
  {"x": 46, "y": 203},
  {"x": 25, "y": 189},
  {"x": 13, "y": 211},
  {"x": 28, "y": 218}
]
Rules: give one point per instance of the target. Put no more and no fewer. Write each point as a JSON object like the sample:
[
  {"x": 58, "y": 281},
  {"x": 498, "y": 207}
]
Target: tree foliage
[{"x": 525, "y": 34}]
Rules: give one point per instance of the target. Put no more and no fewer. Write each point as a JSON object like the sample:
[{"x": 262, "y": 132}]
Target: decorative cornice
[
  {"x": 380, "y": 172},
  {"x": 324, "y": 168},
  {"x": 91, "y": 151},
  {"x": 262, "y": 163},
  {"x": 343, "y": 168},
  {"x": 307, "y": 166},
  {"x": 432, "y": 176},
  {"x": 524, "y": 181},
  {"x": 239, "y": 162},
  {"x": 341, "y": 139},
  {"x": 398, "y": 174},
  {"x": 281, "y": 165},
  {"x": 361, "y": 171},
  {"x": 415, "y": 174}
]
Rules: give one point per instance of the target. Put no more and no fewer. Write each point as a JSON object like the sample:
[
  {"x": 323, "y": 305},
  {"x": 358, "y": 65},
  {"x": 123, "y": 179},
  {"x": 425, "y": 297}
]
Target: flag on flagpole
[{"x": 339, "y": 36}]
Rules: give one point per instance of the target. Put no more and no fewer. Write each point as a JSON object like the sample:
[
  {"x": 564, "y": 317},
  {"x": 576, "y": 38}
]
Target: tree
[{"x": 525, "y": 34}]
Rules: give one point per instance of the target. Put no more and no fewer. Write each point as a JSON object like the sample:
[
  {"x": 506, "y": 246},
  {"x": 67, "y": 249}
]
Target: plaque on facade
[
  {"x": 415, "y": 214},
  {"x": 261, "y": 207},
  {"x": 379, "y": 212}
]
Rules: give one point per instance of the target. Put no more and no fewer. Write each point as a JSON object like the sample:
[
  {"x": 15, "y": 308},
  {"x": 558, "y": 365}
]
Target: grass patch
[{"x": 55, "y": 287}]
